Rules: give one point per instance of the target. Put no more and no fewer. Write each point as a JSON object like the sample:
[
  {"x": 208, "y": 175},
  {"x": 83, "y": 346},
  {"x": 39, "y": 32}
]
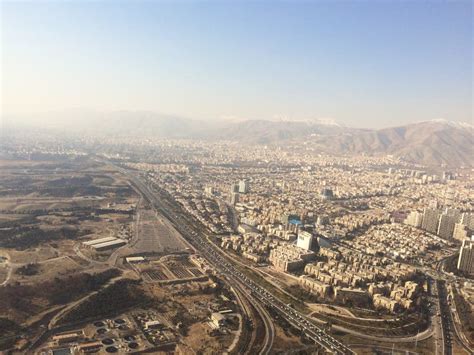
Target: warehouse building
[
  {"x": 104, "y": 243},
  {"x": 98, "y": 241},
  {"x": 109, "y": 245}
]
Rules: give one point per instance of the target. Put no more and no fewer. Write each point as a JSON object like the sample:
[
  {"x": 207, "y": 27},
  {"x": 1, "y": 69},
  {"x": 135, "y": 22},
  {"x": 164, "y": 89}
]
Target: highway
[
  {"x": 258, "y": 295},
  {"x": 447, "y": 309},
  {"x": 246, "y": 345},
  {"x": 446, "y": 321},
  {"x": 241, "y": 291}
]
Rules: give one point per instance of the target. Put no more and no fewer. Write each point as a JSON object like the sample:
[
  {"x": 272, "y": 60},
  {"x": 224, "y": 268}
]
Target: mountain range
[
  {"x": 432, "y": 143},
  {"x": 429, "y": 143}
]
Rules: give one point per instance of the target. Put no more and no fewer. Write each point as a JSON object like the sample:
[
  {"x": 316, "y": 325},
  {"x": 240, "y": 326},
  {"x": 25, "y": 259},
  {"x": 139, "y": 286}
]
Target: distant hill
[
  {"x": 265, "y": 132},
  {"x": 429, "y": 143}
]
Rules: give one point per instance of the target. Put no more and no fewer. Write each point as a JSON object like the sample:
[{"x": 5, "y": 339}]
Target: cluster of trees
[
  {"x": 70, "y": 181},
  {"x": 68, "y": 288},
  {"x": 57, "y": 291},
  {"x": 69, "y": 191},
  {"x": 183, "y": 319},
  {"x": 24, "y": 221},
  {"x": 28, "y": 270},
  {"x": 122, "y": 295},
  {"x": 7, "y": 325},
  {"x": 22, "y": 238},
  {"x": 61, "y": 187},
  {"x": 8, "y": 333},
  {"x": 304, "y": 295},
  {"x": 89, "y": 190}
]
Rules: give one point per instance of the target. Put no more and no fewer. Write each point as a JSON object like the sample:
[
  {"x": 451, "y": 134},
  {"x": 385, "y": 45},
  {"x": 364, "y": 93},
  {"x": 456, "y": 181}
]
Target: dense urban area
[{"x": 120, "y": 245}]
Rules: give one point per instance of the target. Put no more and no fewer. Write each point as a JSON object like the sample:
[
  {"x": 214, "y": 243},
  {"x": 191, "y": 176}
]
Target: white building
[
  {"x": 243, "y": 186},
  {"x": 305, "y": 240}
]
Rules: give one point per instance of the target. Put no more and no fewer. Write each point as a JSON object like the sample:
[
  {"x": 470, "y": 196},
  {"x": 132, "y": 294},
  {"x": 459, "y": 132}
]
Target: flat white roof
[
  {"x": 97, "y": 241},
  {"x": 110, "y": 243}
]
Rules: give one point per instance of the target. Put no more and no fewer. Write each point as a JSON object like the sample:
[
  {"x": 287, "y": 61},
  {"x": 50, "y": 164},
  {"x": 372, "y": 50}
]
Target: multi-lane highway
[
  {"x": 257, "y": 294},
  {"x": 447, "y": 310},
  {"x": 446, "y": 322},
  {"x": 250, "y": 304}
]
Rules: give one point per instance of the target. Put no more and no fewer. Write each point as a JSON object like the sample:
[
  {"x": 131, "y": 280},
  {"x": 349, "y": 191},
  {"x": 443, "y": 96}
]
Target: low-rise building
[
  {"x": 69, "y": 337},
  {"x": 90, "y": 347},
  {"x": 385, "y": 302},
  {"x": 290, "y": 257},
  {"x": 314, "y": 286}
]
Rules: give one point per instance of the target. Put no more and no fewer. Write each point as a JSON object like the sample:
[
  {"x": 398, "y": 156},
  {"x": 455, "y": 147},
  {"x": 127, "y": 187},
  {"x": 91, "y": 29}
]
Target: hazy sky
[{"x": 362, "y": 63}]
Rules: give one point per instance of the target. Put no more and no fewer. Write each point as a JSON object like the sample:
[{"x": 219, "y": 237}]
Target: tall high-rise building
[
  {"x": 446, "y": 226},
  {"x": 305, "y": 240},
  {"x": 243, "y": 186},
  {"x": 466, "y": 257},
  {"x": 430, "y": 220}
]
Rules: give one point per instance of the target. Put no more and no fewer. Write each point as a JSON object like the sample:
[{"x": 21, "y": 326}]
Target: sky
[{"x": 362, "y": 63}]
